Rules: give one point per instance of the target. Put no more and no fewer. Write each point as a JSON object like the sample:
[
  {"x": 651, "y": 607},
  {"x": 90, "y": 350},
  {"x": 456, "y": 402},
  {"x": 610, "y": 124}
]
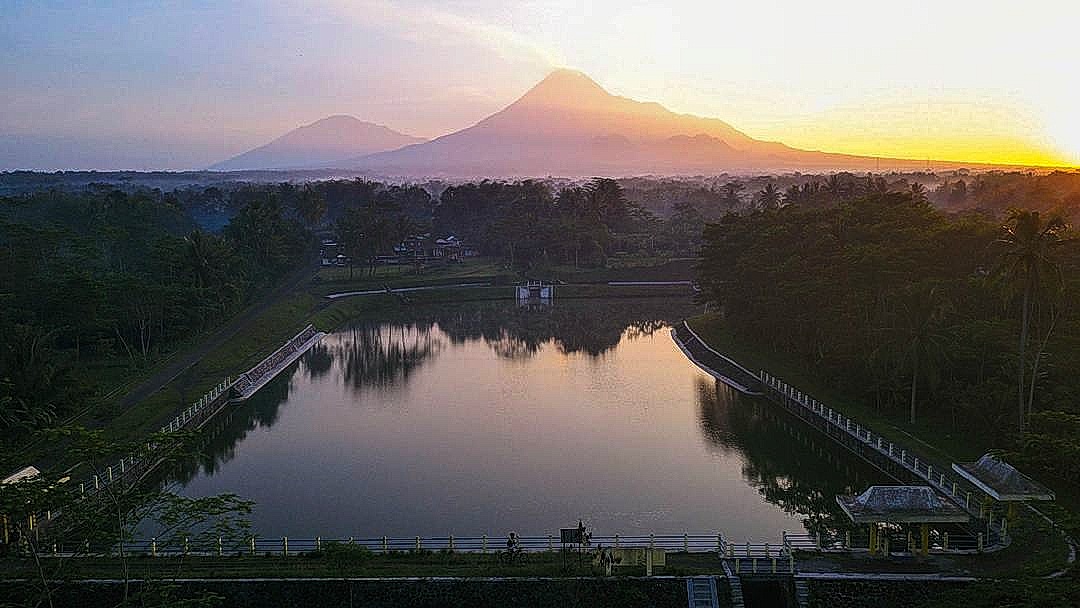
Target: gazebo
[
  {"x": 1002, "y": 482},
  {"x": 901, "y": 505}
]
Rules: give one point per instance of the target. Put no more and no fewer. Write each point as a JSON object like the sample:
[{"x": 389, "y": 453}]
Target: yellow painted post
[
  {"x": 774, "y": 565},
  {"x": 648, "y": 562},
  {"x": 925, "y": 531}
]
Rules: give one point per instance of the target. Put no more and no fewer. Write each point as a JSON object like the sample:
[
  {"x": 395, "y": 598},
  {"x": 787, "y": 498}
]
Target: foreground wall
[
  {"x": 541, "y": 593},
  {"x": 876, "y": 593}
]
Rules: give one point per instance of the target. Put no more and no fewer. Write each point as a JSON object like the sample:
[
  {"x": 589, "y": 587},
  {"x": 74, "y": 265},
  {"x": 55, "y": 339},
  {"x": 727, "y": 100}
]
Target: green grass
[
  {"x": 934, "y": 443},
  {"x": 1035, "y": 550}
]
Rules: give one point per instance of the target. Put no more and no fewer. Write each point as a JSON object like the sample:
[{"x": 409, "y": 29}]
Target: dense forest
[
  {"x": 964, "y": 320},
  {"x": 102, "y": 274}
]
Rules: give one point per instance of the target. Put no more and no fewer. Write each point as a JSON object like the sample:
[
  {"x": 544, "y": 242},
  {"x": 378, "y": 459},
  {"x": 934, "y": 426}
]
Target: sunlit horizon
[{"x": 184, "y": 86}]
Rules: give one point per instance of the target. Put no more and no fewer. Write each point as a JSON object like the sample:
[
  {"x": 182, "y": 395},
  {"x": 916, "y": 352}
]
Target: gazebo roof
[
  {"x": 1001, "y": 480},
  {"x": 900, "y": 504}
]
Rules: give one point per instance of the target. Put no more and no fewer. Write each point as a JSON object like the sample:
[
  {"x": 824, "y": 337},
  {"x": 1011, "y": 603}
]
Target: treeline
[
  {"x": 962, "y": 321},
  {"x": 103, "y": 275}
]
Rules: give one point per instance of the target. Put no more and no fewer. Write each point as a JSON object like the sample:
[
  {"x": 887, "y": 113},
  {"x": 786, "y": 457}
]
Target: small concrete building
[
  {"x": 907, "y": 505},
  {"x": 1002, "y": 482}
]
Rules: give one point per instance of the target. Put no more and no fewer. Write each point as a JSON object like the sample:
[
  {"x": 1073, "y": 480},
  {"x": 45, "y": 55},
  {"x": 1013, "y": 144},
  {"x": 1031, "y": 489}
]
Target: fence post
[
  {"x": 418, "y": 544},
  {"x": 774, "y": 565},
  {"x": 766, "y": 549},
  {"x": 285, "y": 546},
  {"x": 551, "y": 547},
  {"x": 153, "y": 547},
  {"x": 736, "y": 565},
  {"x": 747, "y": 548},
  {"x": 251, "y": 544},
  {"x": 318, "y": 543},
  {"x": 754, "y": 564},
  {"x": 719, "y": 543},
  {"x": 385, "y": 544},
  {"x": 980, "y": 542},
  {"x": 451, "y": 542},
  {"x": 685, "y": 542},
  {"x": 185, "y": 545},
  {"x": 616, "y": 540},
  {"x": 483, "y": 544},
  {"x": 652, "y": 540},
  {"x": 219, "y": 546}
]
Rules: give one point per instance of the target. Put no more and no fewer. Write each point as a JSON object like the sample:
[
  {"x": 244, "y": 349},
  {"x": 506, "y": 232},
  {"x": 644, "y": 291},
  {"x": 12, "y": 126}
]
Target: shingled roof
[
  {"x": 1001, "y": 480},
  {"x": 900, "y": 504}
]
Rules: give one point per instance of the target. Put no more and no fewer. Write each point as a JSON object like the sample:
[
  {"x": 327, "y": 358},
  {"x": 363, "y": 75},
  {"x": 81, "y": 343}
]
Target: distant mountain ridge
[
  {"x": 568, "y": 125},
  {"x": 320, "y": 144}
]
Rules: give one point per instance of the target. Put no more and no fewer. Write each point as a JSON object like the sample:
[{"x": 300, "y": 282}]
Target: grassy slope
[{"x": 1035, "y": 550}]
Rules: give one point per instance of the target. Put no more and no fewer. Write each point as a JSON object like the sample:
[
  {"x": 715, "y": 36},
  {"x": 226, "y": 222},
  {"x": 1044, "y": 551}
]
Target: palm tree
[
  {"x": 1029, "y": 264},
  {"x": 919, "y": 338},
  {"x": 769, "y": 197},
  {"x": 918, "y": 192}
]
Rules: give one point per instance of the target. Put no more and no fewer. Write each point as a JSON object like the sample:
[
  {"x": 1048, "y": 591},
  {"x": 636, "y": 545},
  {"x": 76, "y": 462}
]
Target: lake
[{"x": 485, "y": 417}]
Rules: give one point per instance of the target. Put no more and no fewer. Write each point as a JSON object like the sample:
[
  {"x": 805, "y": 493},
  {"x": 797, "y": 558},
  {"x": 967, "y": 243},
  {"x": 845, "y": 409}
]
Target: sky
[{"x": 179, "y": 85}]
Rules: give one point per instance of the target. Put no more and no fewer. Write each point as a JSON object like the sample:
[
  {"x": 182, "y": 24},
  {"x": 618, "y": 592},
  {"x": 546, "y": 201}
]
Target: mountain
[
  {"x": 568, "y": 125},
  {"x": 320, "y": 144}
]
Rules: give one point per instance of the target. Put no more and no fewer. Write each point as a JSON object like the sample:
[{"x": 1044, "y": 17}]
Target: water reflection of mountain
[{"x": 790, "y": 464}]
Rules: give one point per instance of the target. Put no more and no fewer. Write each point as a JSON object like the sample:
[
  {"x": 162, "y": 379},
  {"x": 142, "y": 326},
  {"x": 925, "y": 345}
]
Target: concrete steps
[{"x": 701, "y": 592}]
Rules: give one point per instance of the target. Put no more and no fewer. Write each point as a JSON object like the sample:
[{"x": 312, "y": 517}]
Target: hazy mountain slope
[
  {"x": 569, "y": 125},
  {"x": 320, "y": 144}
]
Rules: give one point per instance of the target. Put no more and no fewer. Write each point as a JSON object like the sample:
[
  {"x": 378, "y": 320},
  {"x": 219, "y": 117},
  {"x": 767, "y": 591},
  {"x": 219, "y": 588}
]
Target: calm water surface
[{"x": 485, "y": 418}]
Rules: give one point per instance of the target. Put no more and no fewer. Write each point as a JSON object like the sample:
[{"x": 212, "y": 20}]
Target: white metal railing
[
  {"x": 249, "y": 380},
  {"x": 284, "y": 545},
  {"x": 958, "y": 490}
]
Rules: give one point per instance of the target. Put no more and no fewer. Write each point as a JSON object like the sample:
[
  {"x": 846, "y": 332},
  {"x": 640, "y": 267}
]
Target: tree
[
  {"x": 1029, "y": 264},
  {"x": 769, "y": 197},
  {"x": 919, "y": 338}
]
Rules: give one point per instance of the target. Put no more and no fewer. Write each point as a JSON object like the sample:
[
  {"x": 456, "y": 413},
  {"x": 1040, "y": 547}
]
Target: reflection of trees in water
[
  {"x": 219, "y": 438},
  {"x": 318, "y": 360},
  {"x": 592, "y": 327},
  {"x": 384, "y": 355},
  {"x": 791, "y": 464}
]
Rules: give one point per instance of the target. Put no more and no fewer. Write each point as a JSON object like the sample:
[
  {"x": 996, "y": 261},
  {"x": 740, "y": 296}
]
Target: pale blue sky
[{"x": 184, "y": 84}]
